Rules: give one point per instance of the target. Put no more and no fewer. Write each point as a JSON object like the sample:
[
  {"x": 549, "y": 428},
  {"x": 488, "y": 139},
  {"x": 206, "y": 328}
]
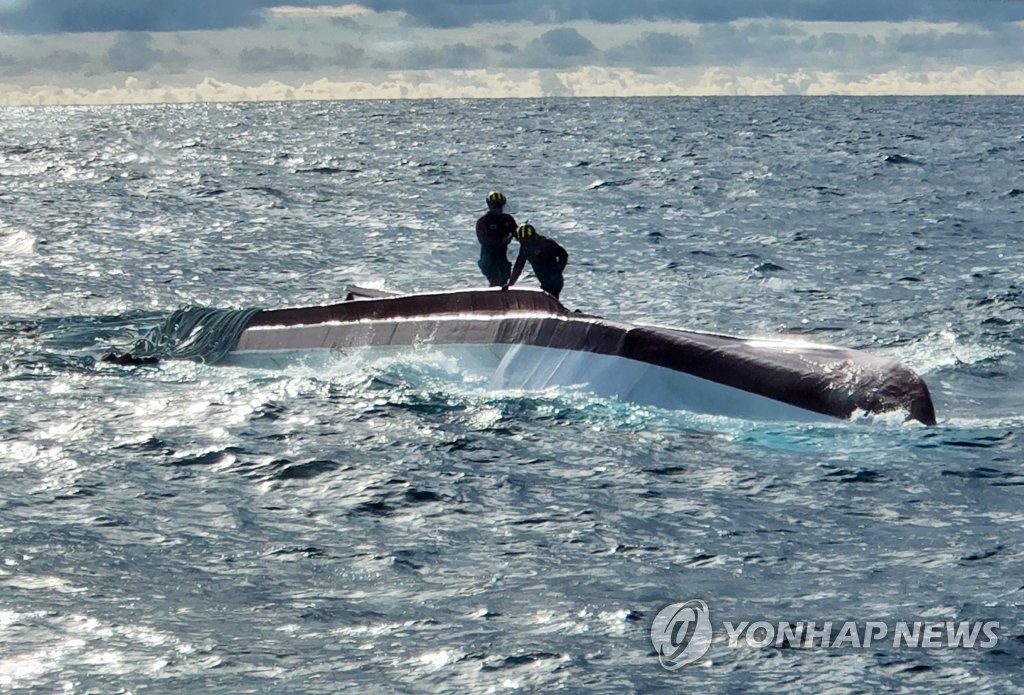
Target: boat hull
[{"x": 526, "y": 339}]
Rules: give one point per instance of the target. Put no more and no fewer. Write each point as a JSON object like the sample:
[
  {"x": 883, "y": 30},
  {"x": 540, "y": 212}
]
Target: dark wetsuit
[
  {"x": 494, "y": 230},
  {"x": 547, "y": 258}
]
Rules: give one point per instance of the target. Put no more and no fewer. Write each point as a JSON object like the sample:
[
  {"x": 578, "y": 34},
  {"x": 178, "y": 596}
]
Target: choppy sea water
[{"x": 392, "y": 526}]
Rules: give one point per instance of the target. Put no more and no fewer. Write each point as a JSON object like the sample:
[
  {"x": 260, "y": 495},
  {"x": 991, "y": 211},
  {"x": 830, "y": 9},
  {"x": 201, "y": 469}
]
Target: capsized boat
[{"x": 526, "y": 339}]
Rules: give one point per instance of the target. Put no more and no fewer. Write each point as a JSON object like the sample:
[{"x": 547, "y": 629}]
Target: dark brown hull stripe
[{"x": 824, "y": 379}]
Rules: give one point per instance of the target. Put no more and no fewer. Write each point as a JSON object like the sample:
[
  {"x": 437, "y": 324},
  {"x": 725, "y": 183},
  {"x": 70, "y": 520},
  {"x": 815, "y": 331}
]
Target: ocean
[{"x": 389, "y": 525}]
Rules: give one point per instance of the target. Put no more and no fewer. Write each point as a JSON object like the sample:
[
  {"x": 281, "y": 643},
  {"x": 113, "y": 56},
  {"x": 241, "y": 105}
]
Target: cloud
[
  {"x": 134, "y": 52},
  {"x": 449, "y": 13},
  {"x": 300, "y": 43},
  {"x": 260, "y": 59},
  {"x": 347, "y": 56},
  {"x": 665, "y": 48},
  {"x": 580, "y": 82},
  {"x": 969, "y": 45},
  {"x": 457, "y": 56},
  {"x": 342, "y": 50},
  {"x": 54, "y": 16},
  {"x": 565, "y": 43},
  {"x": 316, "y": 11},
  {"x": 561, "y": 47}
]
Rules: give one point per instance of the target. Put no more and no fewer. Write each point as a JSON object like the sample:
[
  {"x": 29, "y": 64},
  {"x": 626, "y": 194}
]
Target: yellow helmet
[
  {"x": 496, "y": 199},
  {"x": 525, "y": 230}
]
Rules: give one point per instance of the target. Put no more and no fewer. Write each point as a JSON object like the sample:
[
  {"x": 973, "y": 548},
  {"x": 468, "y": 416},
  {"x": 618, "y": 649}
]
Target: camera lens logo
[{"x": 681, "y": 633}]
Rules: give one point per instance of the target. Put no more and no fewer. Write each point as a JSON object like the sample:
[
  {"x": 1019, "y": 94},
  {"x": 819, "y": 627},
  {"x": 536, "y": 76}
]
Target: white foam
[
  {"x": 944, "y": 349},
  {"x": 16, "y": 242}
]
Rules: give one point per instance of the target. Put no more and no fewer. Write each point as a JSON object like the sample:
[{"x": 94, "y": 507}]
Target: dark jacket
[
  {"x": 494, "y": 231},
  {"x": 547, "y": 258}
]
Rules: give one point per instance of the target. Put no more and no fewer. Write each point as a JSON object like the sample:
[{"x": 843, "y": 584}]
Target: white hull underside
[{"x": 538, "y": 368}]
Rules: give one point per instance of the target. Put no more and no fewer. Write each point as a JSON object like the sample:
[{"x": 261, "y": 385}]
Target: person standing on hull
[
  {"x": 494, "y": 231},
  {"x": 546, "y": 257}
]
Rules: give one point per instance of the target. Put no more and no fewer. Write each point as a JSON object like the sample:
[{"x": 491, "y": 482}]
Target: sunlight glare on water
[{"x": 369, "y": 524}]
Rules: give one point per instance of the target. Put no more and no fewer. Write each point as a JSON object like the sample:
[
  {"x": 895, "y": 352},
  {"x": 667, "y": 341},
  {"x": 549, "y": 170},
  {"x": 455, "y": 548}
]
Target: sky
[{"x": 145, "y": 51}]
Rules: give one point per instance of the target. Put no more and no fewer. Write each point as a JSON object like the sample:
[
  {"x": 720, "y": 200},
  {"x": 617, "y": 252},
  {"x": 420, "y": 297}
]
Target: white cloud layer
[{"x": 580, "y": 82}]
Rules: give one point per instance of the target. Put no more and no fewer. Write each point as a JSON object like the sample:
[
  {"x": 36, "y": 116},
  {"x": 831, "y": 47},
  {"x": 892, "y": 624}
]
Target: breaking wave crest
[{"x": 200, "y": 334}]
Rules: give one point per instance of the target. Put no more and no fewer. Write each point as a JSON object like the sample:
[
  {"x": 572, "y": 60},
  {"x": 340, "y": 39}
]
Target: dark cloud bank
[
  {"x": 44, "y": 16},
  {"x": 53, "y": 16}
]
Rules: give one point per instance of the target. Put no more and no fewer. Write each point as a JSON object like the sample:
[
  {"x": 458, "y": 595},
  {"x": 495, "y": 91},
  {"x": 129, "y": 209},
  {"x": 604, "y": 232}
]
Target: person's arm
[
  {"x": 563, "y": 258},
  {"x": 558, "y": 255},
  {"x": 480, "y": 230},
  {"x": 517, "y": 269},
  {"x": 511, "y": 230}
]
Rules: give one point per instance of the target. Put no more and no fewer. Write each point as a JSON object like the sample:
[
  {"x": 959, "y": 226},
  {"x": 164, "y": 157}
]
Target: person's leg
[
  {"x": 496, "y": 270},
  {"x": 552, "y": 284},
  {"x": 504, "y": 271},
  {"x": 485, "y": 268}
]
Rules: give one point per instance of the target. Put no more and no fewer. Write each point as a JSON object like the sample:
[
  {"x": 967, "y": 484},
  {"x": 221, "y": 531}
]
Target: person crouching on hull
[
  {"x": 494, "y": 231},
  {"x": 546, "y": 257}
]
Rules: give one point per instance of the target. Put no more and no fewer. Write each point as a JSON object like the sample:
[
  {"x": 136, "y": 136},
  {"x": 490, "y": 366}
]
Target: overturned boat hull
[{"x": 526, "y": 339}]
